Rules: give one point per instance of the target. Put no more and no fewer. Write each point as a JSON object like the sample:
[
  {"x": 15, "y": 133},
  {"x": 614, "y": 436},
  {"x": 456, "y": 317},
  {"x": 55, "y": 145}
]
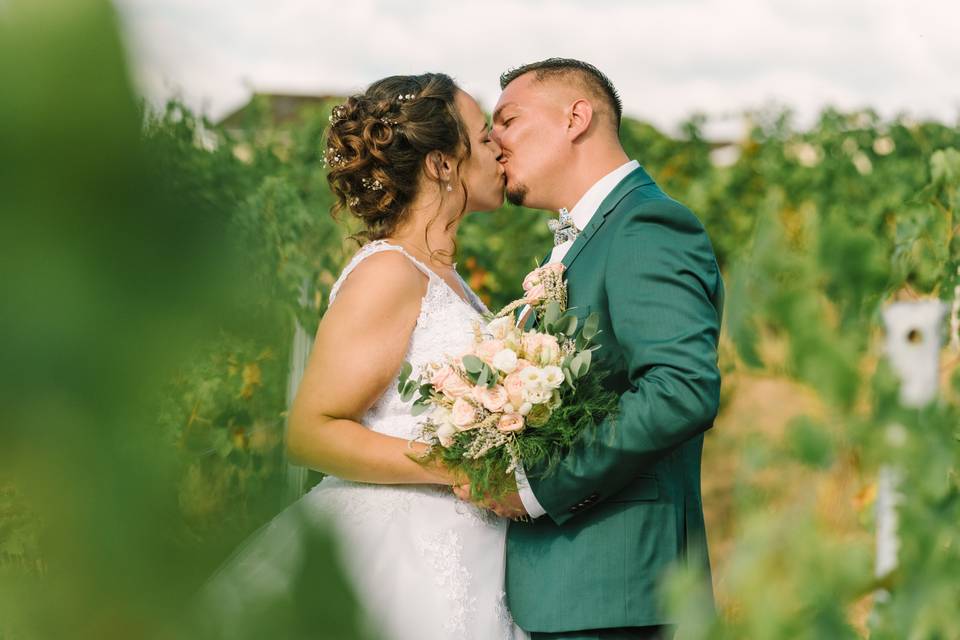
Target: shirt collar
[{"x": 595, "y": 195}]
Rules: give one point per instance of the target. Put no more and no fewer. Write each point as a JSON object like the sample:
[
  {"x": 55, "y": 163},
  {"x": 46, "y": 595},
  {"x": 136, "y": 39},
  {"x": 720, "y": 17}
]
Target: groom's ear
[{"x": 579, "y": 118}]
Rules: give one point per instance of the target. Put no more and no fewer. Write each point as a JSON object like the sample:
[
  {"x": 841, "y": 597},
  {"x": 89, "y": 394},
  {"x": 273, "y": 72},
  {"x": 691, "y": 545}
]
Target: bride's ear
[
  {"x": 438, "y": 167},
  {"x": 579, "y": 118}
]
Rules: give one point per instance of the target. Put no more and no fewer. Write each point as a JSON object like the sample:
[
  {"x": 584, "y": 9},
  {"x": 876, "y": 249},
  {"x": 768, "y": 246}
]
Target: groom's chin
[{"x": 516, "y": 195}]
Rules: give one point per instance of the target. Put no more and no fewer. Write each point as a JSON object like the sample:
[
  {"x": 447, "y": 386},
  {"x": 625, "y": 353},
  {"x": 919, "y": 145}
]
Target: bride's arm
[{"x": 359, "y": 347}]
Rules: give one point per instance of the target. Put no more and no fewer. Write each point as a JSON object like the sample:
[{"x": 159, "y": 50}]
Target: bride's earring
[{"x": 449, "y": 188}]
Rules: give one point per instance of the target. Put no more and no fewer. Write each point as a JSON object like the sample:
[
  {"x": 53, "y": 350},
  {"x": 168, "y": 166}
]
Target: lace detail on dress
[
  {"x": 503, "y": 614},
  {"x": 359, "y": 502},
  {"x": 443, "y": 552}
]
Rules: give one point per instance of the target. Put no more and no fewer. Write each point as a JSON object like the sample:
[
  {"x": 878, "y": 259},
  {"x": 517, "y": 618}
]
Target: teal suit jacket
[{"x": 626, "y": 504}]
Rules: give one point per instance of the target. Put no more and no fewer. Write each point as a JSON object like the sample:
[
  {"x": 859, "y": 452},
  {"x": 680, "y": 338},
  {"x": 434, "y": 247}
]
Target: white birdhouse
[{"x": 914, "y": 339}]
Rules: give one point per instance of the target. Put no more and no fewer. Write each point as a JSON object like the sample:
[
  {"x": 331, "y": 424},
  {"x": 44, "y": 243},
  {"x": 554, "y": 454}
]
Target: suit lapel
[{"x": 636, "y": 179}]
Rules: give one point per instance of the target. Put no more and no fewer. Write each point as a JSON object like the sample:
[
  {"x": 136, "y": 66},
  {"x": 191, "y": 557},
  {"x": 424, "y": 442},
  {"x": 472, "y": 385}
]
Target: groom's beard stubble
[{"x": 517, "y": 194}]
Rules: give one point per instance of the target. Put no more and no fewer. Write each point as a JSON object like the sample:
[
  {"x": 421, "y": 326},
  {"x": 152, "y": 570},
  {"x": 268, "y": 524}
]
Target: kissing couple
[{"x": 577, "y": 553}]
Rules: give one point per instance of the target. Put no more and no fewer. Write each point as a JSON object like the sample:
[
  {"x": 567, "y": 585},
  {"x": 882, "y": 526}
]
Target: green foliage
[
  {"x": 164, "y": 255},
  {"x": 815, "y": 281}
]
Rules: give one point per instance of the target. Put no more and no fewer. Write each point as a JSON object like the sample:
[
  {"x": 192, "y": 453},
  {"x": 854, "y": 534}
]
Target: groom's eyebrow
[{"x": 496, "y": 114}]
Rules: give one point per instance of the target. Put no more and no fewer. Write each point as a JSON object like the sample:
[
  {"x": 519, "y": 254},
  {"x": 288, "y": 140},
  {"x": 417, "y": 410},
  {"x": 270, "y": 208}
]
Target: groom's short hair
[{"x": 584, "y": 74}]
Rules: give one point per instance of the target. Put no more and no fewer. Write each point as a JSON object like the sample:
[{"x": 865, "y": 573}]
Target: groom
[{"x": 626, "y": 505}]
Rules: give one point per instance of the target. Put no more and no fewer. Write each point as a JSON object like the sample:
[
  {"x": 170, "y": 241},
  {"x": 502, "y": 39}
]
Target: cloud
[{"x": 668, "y": 58}]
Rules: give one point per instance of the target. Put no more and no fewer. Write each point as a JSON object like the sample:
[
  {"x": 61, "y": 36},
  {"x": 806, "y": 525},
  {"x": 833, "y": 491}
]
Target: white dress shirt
[{"x": 581, "y": 214}]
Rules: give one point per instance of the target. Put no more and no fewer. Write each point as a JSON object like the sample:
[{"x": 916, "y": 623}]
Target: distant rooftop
[{"x": 282, "y": 108}]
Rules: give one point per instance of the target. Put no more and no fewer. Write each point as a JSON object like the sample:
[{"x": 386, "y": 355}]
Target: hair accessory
[
  {"x": 332, "y": 158},
  {"x": 337, "y": 114},
  {"x": 371, "y": 185}
]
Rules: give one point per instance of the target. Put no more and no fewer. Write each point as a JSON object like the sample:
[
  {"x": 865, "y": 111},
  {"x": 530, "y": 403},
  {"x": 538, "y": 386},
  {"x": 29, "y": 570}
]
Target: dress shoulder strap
[{"x": 368, "y": 250}]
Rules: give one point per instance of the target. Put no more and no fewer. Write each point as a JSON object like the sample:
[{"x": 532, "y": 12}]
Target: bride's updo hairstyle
[{"x": 377, "y": 142}]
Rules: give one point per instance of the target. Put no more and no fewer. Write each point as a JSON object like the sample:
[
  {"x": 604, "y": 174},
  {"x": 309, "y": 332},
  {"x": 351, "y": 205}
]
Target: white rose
[
  {"x": 525, "y": 408},
  {"x": 506, "y": 361},
  {"x": 445, "y": 434},
  {"x": 553, "y": 376},
  {"x": 441, "y": 415},
  {"x": 500, "y": 327}
]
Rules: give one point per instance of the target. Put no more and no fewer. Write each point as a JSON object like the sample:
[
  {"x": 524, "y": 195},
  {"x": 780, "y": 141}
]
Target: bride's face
[{"x": 481, "y": 172}]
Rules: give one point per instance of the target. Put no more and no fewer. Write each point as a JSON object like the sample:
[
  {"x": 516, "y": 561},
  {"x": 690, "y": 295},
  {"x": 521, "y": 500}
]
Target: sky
[{"x": 668, "y": 58}]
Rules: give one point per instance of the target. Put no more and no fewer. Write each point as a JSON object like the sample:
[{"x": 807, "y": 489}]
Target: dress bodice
[{"x": 444, "y": 328}]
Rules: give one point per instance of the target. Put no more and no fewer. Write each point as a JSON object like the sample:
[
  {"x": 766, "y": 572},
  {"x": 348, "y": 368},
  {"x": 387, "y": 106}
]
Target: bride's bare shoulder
[{"x": 384, "y": 280}]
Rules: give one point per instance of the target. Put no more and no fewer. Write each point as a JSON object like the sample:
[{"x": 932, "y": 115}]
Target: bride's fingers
[{"x": 462, "y": 491}]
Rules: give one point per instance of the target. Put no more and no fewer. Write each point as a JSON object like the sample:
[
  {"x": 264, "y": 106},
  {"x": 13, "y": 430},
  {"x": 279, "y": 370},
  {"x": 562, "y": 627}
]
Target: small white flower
[
  {"x": 532, "y": 377},
  {"x": 506, "y": 361},
  {"x": 537, "y": 396},
  {"x": 553, "y": 376}
]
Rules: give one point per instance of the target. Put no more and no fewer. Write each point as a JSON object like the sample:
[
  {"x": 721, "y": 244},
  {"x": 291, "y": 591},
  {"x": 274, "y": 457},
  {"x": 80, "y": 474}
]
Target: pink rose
[
  {"x": 440, "y": 375},
  {"x": 493, "y": 399},
  {"x": 535, "y": 294},
  {"x": 537, "y": 276},
  {"x": 463, "y": 414},
  {"x": 513, "y": 385},
  {"x": 489, "y": 348},
  {"x": 541, "y": 347},
  {"x": 531, "y": 280},
  {"x": 510, "y": 422},
  {"x": 454, "y": 386},
  {"x": 554, "y": 267}
]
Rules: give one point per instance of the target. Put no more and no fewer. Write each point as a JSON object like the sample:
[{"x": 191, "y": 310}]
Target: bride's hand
[{"x": 509, "y": 506}]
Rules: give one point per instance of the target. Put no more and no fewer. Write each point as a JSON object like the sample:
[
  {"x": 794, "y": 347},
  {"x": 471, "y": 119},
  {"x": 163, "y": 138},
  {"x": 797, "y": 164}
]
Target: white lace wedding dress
[{"x": 424, "y": 565}]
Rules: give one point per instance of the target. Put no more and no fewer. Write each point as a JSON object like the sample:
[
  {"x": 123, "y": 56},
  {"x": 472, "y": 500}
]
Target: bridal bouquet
[{"x": 515, "y": 398}]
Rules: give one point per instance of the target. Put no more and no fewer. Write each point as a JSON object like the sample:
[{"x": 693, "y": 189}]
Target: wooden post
[{"x": 299, "y": 352}]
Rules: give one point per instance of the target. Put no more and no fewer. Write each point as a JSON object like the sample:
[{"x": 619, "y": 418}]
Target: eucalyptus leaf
[
  {"x": 568, "y": 325},
  {"x": 473, "y": 364},
  {"x": 483, "y": 377},
  {"x": 591, "y": 326},
  {"x": 586, "y": 358},
  {"x": 419, "y": 409},
  {"x": 551, "y": 313},
  {"x": 568, "y": 377}
]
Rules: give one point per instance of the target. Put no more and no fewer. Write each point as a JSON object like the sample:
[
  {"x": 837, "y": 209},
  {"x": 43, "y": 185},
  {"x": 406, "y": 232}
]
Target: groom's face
[{"x": 530, "y": 127}]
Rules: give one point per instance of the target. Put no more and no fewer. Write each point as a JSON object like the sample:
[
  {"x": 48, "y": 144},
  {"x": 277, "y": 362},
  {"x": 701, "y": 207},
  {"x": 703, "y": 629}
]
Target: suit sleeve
[{"x": 664, "y": 291}]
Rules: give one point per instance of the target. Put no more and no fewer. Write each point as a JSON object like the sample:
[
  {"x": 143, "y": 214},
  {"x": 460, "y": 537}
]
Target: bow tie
[{"x": 563, "y": 229}]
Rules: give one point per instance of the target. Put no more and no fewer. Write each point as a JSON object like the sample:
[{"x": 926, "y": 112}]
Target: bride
[{"x": 409, "y": 157}]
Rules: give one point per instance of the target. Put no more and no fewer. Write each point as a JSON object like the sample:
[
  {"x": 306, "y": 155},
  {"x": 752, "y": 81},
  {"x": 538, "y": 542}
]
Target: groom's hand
[{"x": 510, "y": 506}]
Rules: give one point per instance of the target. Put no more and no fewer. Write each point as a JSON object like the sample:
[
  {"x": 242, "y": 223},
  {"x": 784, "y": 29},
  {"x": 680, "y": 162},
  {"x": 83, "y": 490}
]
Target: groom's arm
[{"x": 664, "y": 293}]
